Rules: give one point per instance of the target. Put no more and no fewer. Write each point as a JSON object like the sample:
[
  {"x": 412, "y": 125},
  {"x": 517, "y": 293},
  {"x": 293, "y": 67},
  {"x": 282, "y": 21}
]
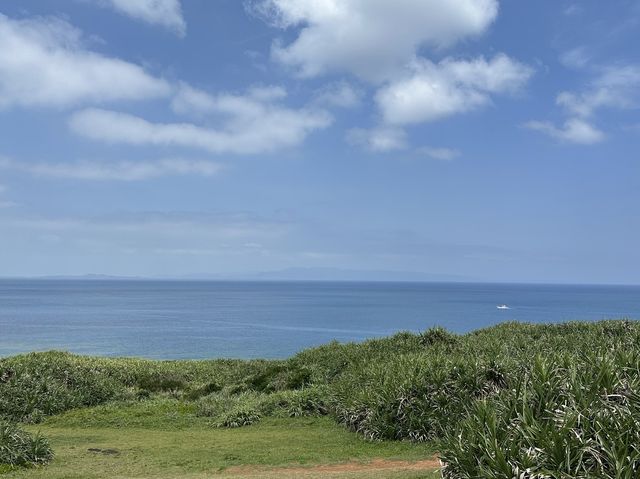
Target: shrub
[
  {"x": 228, "y": 410},
  {"x": 438, "y": 336},
  {"x": 239, "y": 416},
  {"x": 204, "y": 390},
  {"x": 412, "y": 396},
  {"x": 38, "y": 385},
  {"x": 19, "y": 448},
  {"x": 279, "y": 377},
  {"x": 162, "y": 382},
  {"x": 568, "y": 417},
  {"x": 231, "y": 410},
  {"x": 312, "y": 401}
]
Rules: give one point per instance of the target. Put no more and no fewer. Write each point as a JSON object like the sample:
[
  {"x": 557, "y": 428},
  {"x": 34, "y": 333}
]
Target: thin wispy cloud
[
  {"x": 575, "y": 58},
  {"x": 164, "y": 13},
  {"x": 438, "y": 153},
  {"x": 379, "y": 139},
  {"x": 160, "y": 233},
  {"x": 4, "y": 203},
  {"x": 339, "y": 94},
  {"x": 116, "y": 170},
  {"x": 615, "y": 87},
  {"x": 574, "y": 130},
  {"x": 190, "y": 101}
]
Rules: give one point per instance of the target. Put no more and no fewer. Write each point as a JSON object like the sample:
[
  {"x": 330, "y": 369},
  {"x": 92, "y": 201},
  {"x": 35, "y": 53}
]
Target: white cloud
[
  {"x": 339, "y": 94},
  {"x": 437, "y": 90},
  {"x": 616, "y": 87},
  {"x": 186, "y": 229},
  {"x": 191, "y": 101},
  {"x": 370, "y": 38},
  {"x": 573, "y": 9},
  {"x": 252, "y": 123},
  {"x": 574, "y": 130},
  {"x": 165, "y": 13},
  {"x": 445, "y": 154},
  {"x": 118, "y": 170},
  {"x": 575, "y": 58},
  {"x": 43, "y": 63},
  {"x": 381, "y": 139}
]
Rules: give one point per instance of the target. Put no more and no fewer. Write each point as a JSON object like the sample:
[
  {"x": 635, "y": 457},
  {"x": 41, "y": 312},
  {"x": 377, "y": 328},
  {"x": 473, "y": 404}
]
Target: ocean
[{"x": 214, "y": 319}]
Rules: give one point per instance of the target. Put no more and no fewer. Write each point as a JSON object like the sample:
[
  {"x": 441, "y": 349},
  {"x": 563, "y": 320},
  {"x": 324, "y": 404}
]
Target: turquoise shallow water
[{"x": 182, "y": 319}]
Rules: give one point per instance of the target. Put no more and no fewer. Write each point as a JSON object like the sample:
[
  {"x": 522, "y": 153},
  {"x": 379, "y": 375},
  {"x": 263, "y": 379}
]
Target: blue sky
[{"x": 480, "y": 139}]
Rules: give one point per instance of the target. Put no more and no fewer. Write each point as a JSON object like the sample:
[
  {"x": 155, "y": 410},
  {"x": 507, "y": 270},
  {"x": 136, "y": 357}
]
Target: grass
[{"x": 149, "y": 447}]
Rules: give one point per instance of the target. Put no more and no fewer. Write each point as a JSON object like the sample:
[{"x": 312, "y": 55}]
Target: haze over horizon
[{"x": 480, "y": 139}]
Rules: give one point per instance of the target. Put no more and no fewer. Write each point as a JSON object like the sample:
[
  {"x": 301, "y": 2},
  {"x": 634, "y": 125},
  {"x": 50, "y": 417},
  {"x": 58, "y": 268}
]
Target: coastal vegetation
[{"x": 515, "y": 400}]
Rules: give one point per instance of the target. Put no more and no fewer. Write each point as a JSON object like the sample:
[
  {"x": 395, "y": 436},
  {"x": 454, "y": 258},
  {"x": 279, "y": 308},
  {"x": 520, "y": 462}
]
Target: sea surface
[{"x": 201, "y": 319}]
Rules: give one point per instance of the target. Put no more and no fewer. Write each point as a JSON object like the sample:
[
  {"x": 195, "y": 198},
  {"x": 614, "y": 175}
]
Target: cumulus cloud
[
  {"x": 383, "y": 43},
  {"x": 117, "y": 170},
  {"x": 379, "y": 140},
  {"x": 43, "y": 63},
  {"x": 437, "y": 90},
  {"x": 165, "y": 13},
  {"x": 369, "y": 38},
  {"x": 615, "y": 87},
  {"x": 574, "y": 130},
  {"x": 255, "y": 122}
]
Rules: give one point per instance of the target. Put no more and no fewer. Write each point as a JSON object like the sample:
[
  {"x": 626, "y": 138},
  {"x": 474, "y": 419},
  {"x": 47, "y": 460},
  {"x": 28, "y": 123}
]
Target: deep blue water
[{"x": 167, "y": 319}]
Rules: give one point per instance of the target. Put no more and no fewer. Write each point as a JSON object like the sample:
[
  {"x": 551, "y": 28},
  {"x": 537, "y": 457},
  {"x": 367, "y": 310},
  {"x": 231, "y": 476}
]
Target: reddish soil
[{"x": 375, "y": 465}]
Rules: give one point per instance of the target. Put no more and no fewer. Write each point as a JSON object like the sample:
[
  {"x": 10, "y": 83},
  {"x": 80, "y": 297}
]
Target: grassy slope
[{"x": 427, "y": 387}]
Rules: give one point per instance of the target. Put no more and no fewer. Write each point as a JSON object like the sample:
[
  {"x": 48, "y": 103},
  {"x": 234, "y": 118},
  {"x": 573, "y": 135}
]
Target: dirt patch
[
  {"x": 106, "y": 452},
  {"x": 375, "y": 465}
]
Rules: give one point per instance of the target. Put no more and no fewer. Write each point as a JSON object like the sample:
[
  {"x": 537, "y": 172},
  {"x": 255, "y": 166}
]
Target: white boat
[{"x": 503, "y": 306}]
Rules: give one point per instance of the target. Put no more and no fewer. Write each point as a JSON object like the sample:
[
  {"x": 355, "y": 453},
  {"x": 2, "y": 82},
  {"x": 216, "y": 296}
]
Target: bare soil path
[{"x": 348, "y": 469}]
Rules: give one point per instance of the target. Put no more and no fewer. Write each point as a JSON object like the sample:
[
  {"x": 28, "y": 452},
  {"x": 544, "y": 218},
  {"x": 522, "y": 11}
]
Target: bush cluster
[
  {"x": 236, "y": 410},
  {"x": 564, "y": 417},
  {"x": 19, "y": 448}
]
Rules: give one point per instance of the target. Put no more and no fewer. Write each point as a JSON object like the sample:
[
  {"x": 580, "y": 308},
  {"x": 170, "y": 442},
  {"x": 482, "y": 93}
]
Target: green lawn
[{"x": 164, "y": 439}]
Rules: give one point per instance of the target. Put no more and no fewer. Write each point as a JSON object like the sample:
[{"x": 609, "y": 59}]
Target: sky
[{"x": 482, "y": 140}]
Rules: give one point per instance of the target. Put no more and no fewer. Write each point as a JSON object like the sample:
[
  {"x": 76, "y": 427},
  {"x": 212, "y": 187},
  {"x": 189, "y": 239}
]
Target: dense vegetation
[
  {"x": 515, "y": 400},
  {"x": 19, "y": 448}
]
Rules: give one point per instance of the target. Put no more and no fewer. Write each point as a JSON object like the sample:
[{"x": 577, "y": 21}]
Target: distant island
[{"x": 288, "y": 274}]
